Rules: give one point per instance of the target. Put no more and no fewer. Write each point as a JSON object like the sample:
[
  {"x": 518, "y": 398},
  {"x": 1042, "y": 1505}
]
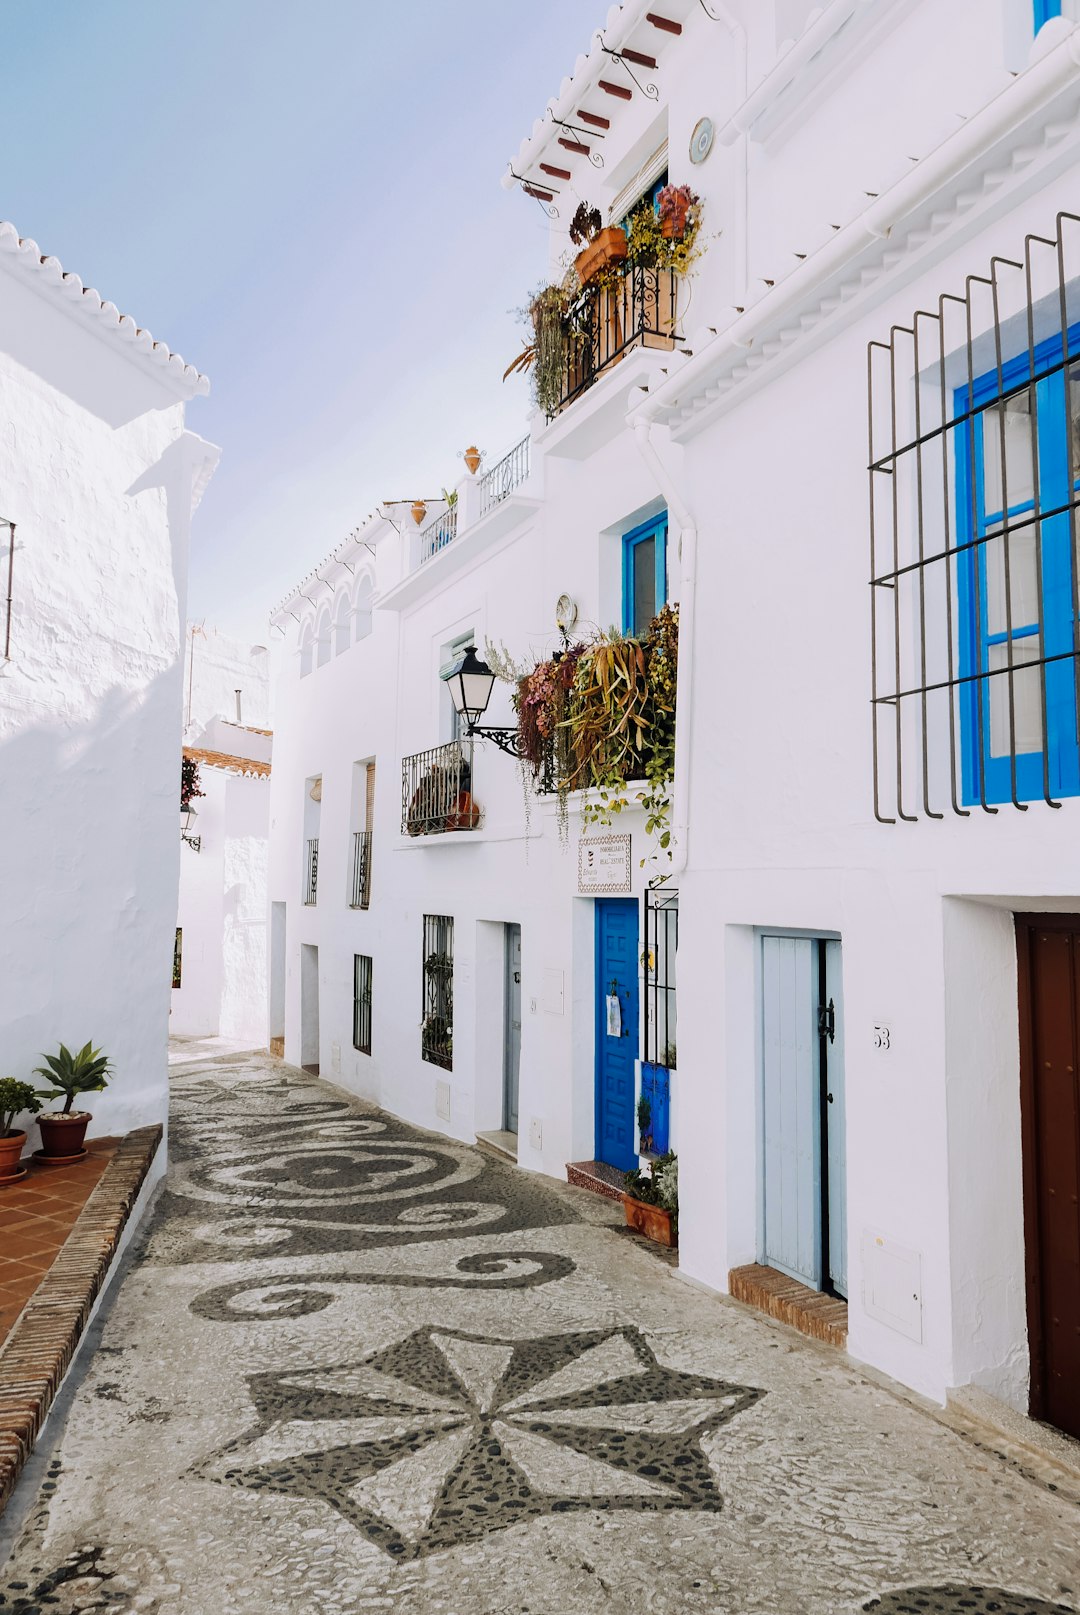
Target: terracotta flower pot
[
  {"x": 472, "y": 459},
  {"x": 419, "y": 511},
  {"x": 652, "y": 1221},
  {"x": 62, "y": 1136},
  {"x": 11, "y": 1148},
  {"x": 608, "y": 248}
]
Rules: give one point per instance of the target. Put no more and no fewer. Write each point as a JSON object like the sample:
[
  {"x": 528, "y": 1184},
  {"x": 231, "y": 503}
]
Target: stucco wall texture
[{"x": 97, "y": 473}]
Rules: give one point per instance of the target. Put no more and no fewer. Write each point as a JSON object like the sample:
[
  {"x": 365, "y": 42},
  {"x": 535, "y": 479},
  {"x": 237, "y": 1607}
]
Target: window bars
[
  {"x": 178, "y": 958},
  {"x": 504, "y": 476},
  {"x": 438, "y": 534},
  {"x": 311, "y": 871},
  {"x": 437, "y": 1006},
  {"x": 436, "y": 790},
  {"x": 361, "y": 1015},
  {"x": 974, "y": 424},
  {"x": 661, "y": 944},
  {"x": 360, "y": 879},
  {"x": 635, "y": 307}
]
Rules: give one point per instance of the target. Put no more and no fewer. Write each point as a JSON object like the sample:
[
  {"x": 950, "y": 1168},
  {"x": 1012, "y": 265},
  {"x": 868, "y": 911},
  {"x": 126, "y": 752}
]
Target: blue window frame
[
  {"x": 644, "y": 581},
  {"x": 1044, "y": 10},
  {"x": 1016, "y": 487}
]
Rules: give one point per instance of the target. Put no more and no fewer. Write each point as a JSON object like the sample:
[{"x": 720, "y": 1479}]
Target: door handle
[
  {"x": 829, "y": 1097},
  {"x": 517, "y": 975}
]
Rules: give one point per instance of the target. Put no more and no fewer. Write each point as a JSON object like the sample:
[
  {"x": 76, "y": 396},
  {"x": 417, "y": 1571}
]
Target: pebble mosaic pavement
[{"x": 355, "y": 1366}]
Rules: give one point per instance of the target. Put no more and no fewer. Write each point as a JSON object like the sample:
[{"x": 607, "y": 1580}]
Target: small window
[
  {"x": 437, "y": 1007},
  {"x": 644, "y": 574},
  {"x": 178, "y": 957},
  {"x": 451, "y": 651},
  {"x": 361, "y": 1015},
  {"x": 1044, "y": 10}
]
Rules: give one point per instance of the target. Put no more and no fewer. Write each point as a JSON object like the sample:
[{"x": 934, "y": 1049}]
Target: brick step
[
  {"x": 822, "y": 1317},
  {"x": 596, "y": 1176}
]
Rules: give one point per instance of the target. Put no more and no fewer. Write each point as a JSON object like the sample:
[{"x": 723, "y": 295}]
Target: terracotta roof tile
[{"x": 225, "y": 760}]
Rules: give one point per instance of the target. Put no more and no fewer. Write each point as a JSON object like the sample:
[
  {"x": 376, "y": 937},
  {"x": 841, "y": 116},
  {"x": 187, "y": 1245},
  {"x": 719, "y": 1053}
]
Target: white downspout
[
  {"x": 722, "y": 14},
  {"x": 684, "y": 672}
]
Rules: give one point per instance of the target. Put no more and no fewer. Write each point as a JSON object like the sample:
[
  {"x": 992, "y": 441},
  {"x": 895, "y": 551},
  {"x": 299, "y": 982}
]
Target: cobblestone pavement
[{"x": 358, "y": 1367}]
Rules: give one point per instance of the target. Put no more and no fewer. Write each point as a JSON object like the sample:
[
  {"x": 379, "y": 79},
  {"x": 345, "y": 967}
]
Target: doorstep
[
  {"x": 598, "y": 1177},
  {"x": 500, "y": 1143},
  {"x": 44, "y": 1335},
  {"x": 822, "y": 1317}
]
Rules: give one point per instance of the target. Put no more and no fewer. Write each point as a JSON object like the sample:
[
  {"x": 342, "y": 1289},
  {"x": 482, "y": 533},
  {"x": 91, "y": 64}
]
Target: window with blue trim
[
  {"x": 644, "y": 581},
  {"x": 1044, "y": 10},
  {"x": 1017, "y": 481}
]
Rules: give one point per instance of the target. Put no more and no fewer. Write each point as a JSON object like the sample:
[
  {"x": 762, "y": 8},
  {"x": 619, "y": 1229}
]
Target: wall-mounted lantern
[
  {"x": 188, "y": 816},
  {"x": 471, "y": 682}
]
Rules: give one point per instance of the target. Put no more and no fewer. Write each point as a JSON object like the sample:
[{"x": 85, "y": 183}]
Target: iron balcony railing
[
  {"x": 436, "y": 790},
  {"x": 634, "y": 307},
  {"x": 360, "y": 880},
  {"x": 438, "y": 534},
  {"x": 311, "y": 871},
  {"x": 505, "y": 475}
]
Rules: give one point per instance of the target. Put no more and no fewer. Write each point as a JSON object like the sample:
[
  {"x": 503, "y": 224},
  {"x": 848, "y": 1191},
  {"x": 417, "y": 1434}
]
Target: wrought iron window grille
[
  {"x": 360, "y": 877},
  {"x": 436, "y": 790},
  {"x": 437, "y": 1001},
  {"x": 974, "y": 471},
  {"x": 362, "y": 1003},
  {"x": 505, "y": 475},
  {"x": 311, "y": 872},
  {"x": 661, "y": 946}
]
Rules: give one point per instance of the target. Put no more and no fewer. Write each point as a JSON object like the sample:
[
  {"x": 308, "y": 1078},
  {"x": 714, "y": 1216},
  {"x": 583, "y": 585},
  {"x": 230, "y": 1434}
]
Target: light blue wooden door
[
  {"x": 616, "y": 1050},
  {"x": 835, "y": 1118},
  {"x": 792, "y": 1223}
]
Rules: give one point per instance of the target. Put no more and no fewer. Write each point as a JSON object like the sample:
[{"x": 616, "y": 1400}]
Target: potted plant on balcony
[
  {"x": 651, "y": 1201},
  {"x": 15, "y": 1098},
  {"x": 63, "y": 1131},
  {"x": 600, "y": 245}
]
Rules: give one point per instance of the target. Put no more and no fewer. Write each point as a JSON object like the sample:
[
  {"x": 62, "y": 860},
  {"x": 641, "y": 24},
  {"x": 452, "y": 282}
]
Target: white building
[
  {"x": 98, "y": 481},
  {"x": 875, "y": 1092}
]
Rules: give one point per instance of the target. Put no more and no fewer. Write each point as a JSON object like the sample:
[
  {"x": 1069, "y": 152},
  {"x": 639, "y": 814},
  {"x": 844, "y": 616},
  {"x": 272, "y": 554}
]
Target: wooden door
[
  {"x": 512, "y": 1042},
  {"x": 616, "y": 1029},
  {"x": 1048, "y": 952}
]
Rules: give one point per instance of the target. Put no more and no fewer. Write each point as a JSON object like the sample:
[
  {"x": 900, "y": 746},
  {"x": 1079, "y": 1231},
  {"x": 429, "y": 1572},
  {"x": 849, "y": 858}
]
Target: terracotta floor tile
[
  {"x": 27, "y": 1247},
  {"x": 11, "y": 1216},
  {"x": 12, "y": 1272}
]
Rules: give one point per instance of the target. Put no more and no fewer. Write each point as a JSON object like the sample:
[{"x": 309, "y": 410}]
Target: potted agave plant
[
  {"x": 599, "y": 246},
  {"x": 63, "y": 1131},
  {"x": 651, "y": 1201},
  {"x": 15, "y": 1097}
]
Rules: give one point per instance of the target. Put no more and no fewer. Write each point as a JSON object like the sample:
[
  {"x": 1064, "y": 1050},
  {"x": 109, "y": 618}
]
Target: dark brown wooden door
[{"x": 1049, "y": 960}]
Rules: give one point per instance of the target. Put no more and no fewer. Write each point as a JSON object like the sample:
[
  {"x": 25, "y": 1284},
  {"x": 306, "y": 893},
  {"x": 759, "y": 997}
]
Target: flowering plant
[{"x": 189, "y": 783}]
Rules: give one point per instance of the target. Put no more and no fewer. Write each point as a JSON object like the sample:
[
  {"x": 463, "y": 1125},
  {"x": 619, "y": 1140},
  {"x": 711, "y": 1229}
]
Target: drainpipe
[
  {"x": 680, "y": 806},
  {"x": 721, "y": 13}
]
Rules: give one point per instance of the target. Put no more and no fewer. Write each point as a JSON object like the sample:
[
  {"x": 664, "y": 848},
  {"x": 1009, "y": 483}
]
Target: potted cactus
[
  {"x": 63, "y": 1131},
  {"x": 15, "y": 1098}
]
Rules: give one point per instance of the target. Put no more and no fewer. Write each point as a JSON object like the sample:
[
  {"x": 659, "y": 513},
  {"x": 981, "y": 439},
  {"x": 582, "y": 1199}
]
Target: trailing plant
[
  {"x": 546, "y": 357},
  {"x": 666, "y": 236},
  {"x": 189, "y": 783},
  {"x": 15, "y": 1097},
  {"x": 73, "y": 1074},
  {"x": 586, "y": 224}
]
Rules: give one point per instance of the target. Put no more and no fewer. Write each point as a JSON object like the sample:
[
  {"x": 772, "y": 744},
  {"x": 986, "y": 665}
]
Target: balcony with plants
[
  {"x": 621, "y": 292},
  {"x": 597, "y": 720}
]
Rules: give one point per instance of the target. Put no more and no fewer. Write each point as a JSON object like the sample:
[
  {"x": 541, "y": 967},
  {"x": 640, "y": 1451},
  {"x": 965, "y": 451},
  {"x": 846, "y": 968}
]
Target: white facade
[
  {"x": 99, "y": 478},
  {"x": 855, "y": 176}
]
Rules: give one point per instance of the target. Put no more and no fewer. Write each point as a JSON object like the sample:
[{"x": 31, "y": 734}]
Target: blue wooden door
[{"x": 616, "y": 1051}]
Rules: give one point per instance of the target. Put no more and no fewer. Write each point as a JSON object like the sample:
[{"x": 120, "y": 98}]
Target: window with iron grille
[
  {"x": 178, "y": 957},
  {"x": 974, "y": 484},
  {"x": 437, "y": 1026},
  {"x": 361, "y": 1014},
  {"x": 661, "y": 944}
]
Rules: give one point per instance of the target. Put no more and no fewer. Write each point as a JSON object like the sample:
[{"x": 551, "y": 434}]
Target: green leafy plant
[
  {"x": 660, "y": 1187},
  {"x": 73, "y": 1074},
  {"x": 15, "y": 1097},
  {"x": 548, "y": 357},
  {"x": 666, "y": 236}
]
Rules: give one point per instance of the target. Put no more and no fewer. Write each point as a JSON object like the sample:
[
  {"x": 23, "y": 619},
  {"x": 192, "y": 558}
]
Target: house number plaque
[{"x": 604, "y": 865}]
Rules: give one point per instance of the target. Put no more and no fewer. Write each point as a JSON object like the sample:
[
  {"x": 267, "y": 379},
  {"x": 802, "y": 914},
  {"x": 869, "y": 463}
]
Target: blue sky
[{"x": 304, "y": 201}]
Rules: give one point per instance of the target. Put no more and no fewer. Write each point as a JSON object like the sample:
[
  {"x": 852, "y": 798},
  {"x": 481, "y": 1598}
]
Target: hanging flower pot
[
  {"x": 675, "y": 203},
  {"x": 419, "y": 511},
  {"x": 472, "y": 459}
]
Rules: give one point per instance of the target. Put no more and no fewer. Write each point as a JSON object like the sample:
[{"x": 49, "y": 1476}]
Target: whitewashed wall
[{"x": 98, "y": 474}]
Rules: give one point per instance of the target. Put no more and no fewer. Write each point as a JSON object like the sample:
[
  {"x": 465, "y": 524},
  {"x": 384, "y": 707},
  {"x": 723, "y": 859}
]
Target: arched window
[
  {"x": 342, "y": 625},
  {"x": 322, "y": 638},
  {"x": 307, "y": 650},
  {"x": 364, "y": 595}
]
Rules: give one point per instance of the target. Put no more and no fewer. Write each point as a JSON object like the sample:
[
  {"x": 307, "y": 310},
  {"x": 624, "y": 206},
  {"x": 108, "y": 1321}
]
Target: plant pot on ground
[
  {"x": 651, "y": 1201},
  {"x": 63, "y": 1131},
  {"x": 15, "y": 1098}
]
